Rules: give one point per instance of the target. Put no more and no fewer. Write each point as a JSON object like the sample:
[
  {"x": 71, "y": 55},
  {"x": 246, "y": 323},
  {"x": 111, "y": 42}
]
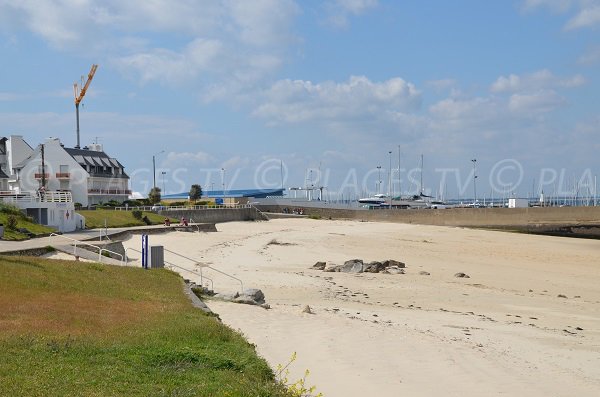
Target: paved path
[{"x": 7, "y": 246}]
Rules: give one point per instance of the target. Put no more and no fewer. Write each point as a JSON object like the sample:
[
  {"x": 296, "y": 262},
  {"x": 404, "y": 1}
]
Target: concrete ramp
[{"x": 86, "y": 254}]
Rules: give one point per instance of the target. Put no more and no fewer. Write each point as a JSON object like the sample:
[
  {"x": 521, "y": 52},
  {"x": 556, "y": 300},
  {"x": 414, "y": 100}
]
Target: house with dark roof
[{"x": 91, "y": 175}]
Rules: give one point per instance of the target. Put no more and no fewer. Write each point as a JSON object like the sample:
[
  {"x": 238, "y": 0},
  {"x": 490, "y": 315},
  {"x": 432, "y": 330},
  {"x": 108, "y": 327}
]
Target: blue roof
[{"x": 234, "y": 193}]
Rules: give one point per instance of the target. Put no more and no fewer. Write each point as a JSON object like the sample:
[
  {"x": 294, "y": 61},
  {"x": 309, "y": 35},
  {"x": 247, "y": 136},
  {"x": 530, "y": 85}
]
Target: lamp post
[
  {"x": 223, "y": 180},
  {"x": 474, "y": 161},
  {"x": 378, "y": 178},
  {"x": 154, "y": 167},
  {"x": 390, "y": 180},
  {"x": 163, "y": 173}
]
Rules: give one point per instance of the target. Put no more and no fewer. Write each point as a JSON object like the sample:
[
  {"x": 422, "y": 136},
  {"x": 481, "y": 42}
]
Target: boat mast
[
  {"x": 421, "y": 190},
  {"x": 399, "y": 178}
]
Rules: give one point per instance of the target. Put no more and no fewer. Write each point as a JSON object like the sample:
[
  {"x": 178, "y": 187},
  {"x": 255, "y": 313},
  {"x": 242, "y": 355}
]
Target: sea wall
[
  {"x": 219, "y": 215},
  {"x": 584, "y": 220}
]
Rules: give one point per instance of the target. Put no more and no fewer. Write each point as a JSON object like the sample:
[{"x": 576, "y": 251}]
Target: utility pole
[
  {"x": 399, "y": 177},
  {"x": 378, "y": 178},
  {"x": 474, "y": 184},
  {"x": 390, "y": 180},
  {"x": 43, "y": 168}
]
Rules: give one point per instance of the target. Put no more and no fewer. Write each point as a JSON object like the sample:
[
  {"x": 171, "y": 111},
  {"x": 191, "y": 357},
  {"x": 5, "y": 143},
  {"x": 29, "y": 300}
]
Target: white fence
[
  {"x": 183, "y": 207},
  {"x": 10, "y": 197}
]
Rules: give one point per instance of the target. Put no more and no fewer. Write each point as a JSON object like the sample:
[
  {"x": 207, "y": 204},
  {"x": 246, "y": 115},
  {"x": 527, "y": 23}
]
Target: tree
[
  {"x": 195, "y": 192},
  {"x": 154, "y": 195}
]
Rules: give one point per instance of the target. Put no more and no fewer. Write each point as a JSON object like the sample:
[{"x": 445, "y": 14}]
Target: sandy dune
[{"x": 503, "y": 331}]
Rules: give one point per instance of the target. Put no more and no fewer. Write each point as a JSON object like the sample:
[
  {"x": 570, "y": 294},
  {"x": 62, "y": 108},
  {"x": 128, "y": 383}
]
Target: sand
[{"x": 503, "y": 331}]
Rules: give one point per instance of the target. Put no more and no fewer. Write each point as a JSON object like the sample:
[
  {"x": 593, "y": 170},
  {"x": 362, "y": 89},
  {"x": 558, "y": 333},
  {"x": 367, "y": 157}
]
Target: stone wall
[
  {"x": 219, "y": 215},
  {"x": 535, "y": 219}
]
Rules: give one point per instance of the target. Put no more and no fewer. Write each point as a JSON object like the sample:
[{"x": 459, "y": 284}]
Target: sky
[{"x": 256, "y": 94}]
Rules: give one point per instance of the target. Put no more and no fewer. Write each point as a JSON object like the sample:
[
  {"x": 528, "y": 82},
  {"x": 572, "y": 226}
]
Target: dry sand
[{"x": 503, "y": 331}]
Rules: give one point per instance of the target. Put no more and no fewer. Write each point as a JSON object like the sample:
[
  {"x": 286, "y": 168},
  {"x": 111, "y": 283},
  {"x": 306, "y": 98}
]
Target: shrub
[
  {"x": 10, "y": 209},
  {"x": 178, "y": 204},
  {"x": 137, "y": 214},
  {"x": 11, "y": 222},
  {"x": 78, "y": 206}
]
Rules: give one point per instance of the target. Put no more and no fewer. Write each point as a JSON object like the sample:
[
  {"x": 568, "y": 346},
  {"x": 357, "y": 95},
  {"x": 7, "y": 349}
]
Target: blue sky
[{"x": 331, "y": 85}]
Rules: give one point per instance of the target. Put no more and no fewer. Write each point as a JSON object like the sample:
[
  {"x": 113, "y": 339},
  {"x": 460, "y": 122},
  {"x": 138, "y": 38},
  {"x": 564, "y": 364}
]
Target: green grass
[
  {"x": 81, "y": 329},
  {"x": 23, "y": 223},
  {"x": 95, "y": 219}
]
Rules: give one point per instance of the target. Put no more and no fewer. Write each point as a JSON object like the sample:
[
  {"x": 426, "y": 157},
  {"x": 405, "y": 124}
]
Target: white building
[
  {"x": 89, "y": 174},
  {"x": 47, "y": 181},
  {"x": 518, "y": 203}
]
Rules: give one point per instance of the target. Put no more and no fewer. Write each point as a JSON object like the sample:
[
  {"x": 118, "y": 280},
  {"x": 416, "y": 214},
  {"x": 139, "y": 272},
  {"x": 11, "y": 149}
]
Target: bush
[
  {"x": 137, "y": 214},
  {"x": 11, "y": 222},
  {"x": 78, "y": 206},
  {"x": 10, "y": 209},
  {"x": 178, "y": 204}
]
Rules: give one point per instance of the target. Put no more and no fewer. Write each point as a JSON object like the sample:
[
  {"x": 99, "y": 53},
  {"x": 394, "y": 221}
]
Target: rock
[
  {"x": 319, "y": 265},
  {"x": 391, "y": 262},
  {"x": 424, "y": 273},
  {"x": 226, "y": 297},
  {"x": 393, "y": 270},
  {"x": 265, "y": 306},
  {"x": 331, "y": 267},
  {"x": 254, "y": 294},
  {"x": 461, "y": 275},
  {"x": 245, "y": 300},
  {"x": 562, "y": 296},
  {"x": 373, "y": 267},
  {"x": 307, "y": 309},
  {"x": 352, "y": 266}
]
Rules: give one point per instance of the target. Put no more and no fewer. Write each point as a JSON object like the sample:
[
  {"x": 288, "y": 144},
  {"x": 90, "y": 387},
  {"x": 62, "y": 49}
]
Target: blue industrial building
[{"x": 234, "y": 193}]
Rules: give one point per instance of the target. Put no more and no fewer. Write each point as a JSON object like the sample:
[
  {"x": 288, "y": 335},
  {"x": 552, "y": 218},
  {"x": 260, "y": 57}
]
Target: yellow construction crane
[{"x": 80, "y": 94}]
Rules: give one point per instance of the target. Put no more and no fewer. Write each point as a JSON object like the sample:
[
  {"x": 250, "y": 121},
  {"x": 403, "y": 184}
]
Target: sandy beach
[{"x": 503, "y": 331}]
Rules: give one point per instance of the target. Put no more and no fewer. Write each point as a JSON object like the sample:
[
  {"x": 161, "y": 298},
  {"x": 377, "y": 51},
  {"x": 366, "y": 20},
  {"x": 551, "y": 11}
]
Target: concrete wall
[
  {"x": 215, "y": 215},
  {"x": 474, "y": 217}
]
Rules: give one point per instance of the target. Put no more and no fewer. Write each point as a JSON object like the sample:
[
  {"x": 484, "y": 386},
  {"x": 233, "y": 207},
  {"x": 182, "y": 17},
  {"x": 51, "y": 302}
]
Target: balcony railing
[
  {"x": 63, "y": 175},
  {"x": 35, "y": 197},
  {"x": 109, "y": 191},
  {"x": 39, "y": 176}
]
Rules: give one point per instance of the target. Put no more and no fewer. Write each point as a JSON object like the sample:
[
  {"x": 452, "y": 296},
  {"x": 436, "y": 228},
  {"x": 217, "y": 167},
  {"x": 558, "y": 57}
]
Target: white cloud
[
  {"x": 555, "y": 5},
  {"x": 340, "y": 10},
  {"x": 295, "y": 101},
  {"x": 591, "y": 57},
  {"x": 187, "y": 159},
  {"x": 541, "y": 79},
  {"x": 587, "y": 17},
  {"x": 230, "y": 43},
  {"x": 587, "y": 11},
  {"x": 535, "y": 103}
]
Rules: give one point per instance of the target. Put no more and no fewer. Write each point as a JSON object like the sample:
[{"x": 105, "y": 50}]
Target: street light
[
  {"x": 474, "y": 161},
  {"x": 163, "y": 178},
  {"x": 378, "y": 178},
  {"x": 223, "y": 180},
  {"x": 390, "y": 180},
  {"x": 154, "y": 167}
]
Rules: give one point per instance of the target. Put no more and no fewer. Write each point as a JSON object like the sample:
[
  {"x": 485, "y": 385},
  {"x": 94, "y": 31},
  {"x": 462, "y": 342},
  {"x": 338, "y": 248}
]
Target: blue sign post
[{"x": 145, "y": 251}]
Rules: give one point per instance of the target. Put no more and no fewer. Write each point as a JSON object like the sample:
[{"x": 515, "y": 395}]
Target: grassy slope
[
  {"x": 94, "y": 219},
  {"x": 23, "y": 223},
  {"x": 81, "y": 329}
]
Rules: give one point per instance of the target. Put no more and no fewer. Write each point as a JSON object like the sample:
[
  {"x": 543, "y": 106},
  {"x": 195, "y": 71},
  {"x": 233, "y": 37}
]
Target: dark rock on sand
[
  {"x": 461, "y": 275},
  {"x": 319, "y": 265}
]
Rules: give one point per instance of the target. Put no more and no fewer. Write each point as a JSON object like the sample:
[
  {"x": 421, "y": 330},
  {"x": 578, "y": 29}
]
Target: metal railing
[
  {"x": 100, "y": 250},
  {"x": 183, "y": 207},
  {"x": 202, "y": 265},
  {"x": 202, "y": 277},
  {"x": 36, "y": 197}
]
